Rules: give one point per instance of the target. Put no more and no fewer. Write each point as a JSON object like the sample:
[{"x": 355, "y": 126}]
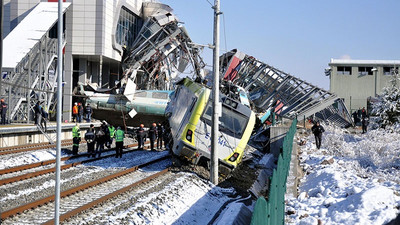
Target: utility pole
[
  {"x": 215, "y": 96},
  {"x": 59, "y": 110}
]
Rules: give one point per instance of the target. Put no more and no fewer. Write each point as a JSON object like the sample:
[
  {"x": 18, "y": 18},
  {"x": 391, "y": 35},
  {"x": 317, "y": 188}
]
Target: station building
[
  {"x": 95, "y": 31},
  {"x": 357, "y": 80}
]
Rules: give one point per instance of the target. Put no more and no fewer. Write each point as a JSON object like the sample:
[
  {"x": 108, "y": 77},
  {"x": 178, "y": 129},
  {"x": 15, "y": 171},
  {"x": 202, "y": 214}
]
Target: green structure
[{"x": 272, "y": 210}]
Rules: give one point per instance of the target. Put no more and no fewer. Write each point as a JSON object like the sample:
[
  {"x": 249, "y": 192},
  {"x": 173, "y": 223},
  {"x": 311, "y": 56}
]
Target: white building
[
  {"x": 356, "y": 80},
  {"x": 95, "y": 33}
]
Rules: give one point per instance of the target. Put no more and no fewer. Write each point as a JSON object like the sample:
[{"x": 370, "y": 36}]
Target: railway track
[
  {"x": 46, "y": 167},
  {"x": 83, "y": 197},
  {"x": 32, "y": 147}
]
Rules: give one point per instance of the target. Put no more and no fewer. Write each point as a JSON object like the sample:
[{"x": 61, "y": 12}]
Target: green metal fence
[{"x": 272, "y": 211}]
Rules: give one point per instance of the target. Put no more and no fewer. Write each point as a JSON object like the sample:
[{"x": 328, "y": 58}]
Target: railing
[{"x": 272, "y": 211}]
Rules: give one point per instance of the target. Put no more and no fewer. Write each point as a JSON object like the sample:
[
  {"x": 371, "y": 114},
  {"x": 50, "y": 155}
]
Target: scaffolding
[
  {"x": 30, "y": 59},
  {"x": 162, "y": 50}
]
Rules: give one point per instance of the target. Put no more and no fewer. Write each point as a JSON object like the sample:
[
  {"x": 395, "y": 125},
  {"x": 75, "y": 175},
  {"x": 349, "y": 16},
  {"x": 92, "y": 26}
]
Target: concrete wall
[
  {"x": 12, "y": 136},
  {"x": 295, "y": 172},
  {"x": 277, "y": 134}
]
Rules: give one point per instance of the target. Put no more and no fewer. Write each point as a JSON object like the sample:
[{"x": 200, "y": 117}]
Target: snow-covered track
[
  {"x": 81, "y": 197},
  {"x": 32, "y": 147},
  {"x": 45, "y": 167}
]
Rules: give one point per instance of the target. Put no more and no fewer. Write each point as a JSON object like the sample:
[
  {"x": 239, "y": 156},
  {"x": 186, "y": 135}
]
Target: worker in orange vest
[{"x": 75, "y": 112}]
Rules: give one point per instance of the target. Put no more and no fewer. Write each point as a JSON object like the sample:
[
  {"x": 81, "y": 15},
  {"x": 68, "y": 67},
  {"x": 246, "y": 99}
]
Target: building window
[
  {"x": 389, "y": 70},
  {"x": 128, "y": 27},
  {"x": 365, "y": 71},
  {"x": 344, "y": 70}
]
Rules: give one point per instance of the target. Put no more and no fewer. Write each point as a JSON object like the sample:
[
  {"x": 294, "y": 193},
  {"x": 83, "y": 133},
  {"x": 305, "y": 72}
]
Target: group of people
[
  {"x": 155, "y": 133},
  {"x": 317, "y": 129},
  {"x": 41, "y": 115},
  {"x": 361, "y": 113},
  {"x": 78, "y": 111},
  {"x": 97, "y": 139}
]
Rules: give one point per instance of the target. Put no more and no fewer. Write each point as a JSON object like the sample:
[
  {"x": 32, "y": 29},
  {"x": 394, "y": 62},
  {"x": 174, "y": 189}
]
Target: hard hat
[
  {"x": 118, "y": 128},
  {"x": 76, "y": 103}
]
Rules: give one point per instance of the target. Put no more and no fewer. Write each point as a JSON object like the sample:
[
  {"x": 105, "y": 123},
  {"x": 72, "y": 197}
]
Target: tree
[{"x": 387, "y": 108}]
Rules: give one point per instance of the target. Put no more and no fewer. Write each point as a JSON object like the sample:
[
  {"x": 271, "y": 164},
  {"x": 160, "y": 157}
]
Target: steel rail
[
  {"x": 28, "y": 145},
  {"x": 105, "y": 198},
  {"x": 44, "y": 163},
  {"x": 33, "y": 147},
  {"x": 31, "y": 205},
  {"x": 51, "y": 170}
]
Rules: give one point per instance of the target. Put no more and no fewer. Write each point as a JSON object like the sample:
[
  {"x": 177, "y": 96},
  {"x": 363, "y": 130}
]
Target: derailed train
[
  {"x": 188, "y": 110},
  {"x": 189, "y": 113}
]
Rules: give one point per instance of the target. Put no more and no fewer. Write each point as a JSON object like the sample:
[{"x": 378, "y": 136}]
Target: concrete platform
[{"x": 20, "y": 134}]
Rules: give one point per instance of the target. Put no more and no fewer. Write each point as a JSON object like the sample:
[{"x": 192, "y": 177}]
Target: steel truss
[
  {"x": 32, "y": 80},
  {"x": 161, "y": 51},
  {"x": 272, "y": 89}
]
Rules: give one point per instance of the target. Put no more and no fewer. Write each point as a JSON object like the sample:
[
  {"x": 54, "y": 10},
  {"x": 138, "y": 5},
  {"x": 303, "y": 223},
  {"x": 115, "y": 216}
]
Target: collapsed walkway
[{"x": 273, "y": 90}]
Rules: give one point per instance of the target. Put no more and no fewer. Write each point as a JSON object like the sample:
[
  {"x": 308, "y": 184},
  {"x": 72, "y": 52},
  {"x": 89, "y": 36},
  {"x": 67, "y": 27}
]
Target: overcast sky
[{"x": 298, "y": 36}]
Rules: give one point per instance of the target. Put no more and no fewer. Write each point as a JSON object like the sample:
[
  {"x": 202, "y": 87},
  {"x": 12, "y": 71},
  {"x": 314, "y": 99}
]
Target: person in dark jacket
[
  {"x": 317, "y": 130},
  {"x": 100, "y": 140},
  {"x": 3, "y": 111},
  {"x": 90, "y": 138},
  {"x": 106, "y": 130},
  {"x": 355, "y": 118},
  {"x": 140, "y": 137},
  {"x": 80, "y": 112},
  {"x": 45, "y": 115},
  {"x": 364, "y": 124},
  {"x": 160, "y": 135},
  {"x": 38, "y": 113},
  {"x": 152, "y": 135},
  {"x": 88, "y": 111},
  {"x": 363, "y": 113},
  {"x": 167, "y": 133}
]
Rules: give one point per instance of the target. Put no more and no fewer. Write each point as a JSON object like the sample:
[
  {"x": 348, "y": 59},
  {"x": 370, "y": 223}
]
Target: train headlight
[
  {"x": 189, "y": 135},
  {"x": 234, "y": 157}
]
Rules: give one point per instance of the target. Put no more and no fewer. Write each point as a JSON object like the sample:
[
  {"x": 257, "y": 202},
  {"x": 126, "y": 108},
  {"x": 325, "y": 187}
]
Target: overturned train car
[{"x": 190, "y": 113}]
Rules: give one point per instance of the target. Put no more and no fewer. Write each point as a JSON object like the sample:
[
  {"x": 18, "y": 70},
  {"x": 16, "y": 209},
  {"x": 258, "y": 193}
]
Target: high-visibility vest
[
  {"x": 112, "y": 131},
  {"x": 75, "y": 109},
  {"x": 76, "y": 132},
  {"x": 119, "y": 136}
]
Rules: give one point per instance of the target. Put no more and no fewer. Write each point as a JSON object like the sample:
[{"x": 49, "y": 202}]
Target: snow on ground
[
  {"x": 27, "y": 158},
  {"x": 352, "y": 179},
  {"x": 188, "y": 200}
]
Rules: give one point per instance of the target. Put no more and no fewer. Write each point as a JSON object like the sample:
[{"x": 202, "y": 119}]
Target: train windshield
[{"x": 231, "y": 121}]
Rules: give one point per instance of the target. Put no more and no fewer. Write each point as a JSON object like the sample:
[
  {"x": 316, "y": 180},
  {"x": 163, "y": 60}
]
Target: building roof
[
  {"x": 363, "y": 62},
  {"x": 28, "y": 32}
]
